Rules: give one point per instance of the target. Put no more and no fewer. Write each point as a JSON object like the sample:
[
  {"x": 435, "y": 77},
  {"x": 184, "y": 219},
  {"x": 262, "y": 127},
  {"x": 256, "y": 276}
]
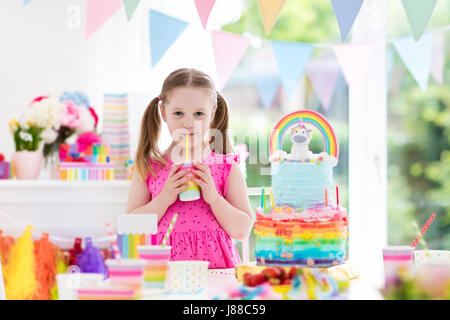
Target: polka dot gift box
[{"x": 187, "y": 277}]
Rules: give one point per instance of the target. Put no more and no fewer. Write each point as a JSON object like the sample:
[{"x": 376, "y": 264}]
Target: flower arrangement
[
  {"x": 27, "y": 135},
  {"x": 61, "y": 117}
]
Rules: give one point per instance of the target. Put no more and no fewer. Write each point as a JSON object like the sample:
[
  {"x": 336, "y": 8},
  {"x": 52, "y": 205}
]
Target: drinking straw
[
  {"x": 417, "y": 232},
  {"x": 424, "y": 229},
  {"x": 337, "y": 196},
  {"x": 187, "y": 147},
  {"x": 114, "y": 245},
  {"x": 264, "y": 200},
  {"x": 326, "y": 198},
  {"x": 169, "y": 230},
  {"x": 271, "y": 198}
]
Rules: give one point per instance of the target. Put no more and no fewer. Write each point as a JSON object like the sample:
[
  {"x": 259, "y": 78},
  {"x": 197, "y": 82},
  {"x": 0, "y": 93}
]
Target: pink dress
[{"x": 197, "y": 234}]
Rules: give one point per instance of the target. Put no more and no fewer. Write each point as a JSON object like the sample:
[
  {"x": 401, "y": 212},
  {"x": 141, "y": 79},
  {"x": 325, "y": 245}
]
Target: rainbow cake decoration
[{"x": 302, "y": 226}]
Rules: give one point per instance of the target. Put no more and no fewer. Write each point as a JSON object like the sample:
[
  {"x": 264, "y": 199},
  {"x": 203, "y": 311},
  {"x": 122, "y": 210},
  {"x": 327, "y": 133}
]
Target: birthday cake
[{"x": 304, "y": 224}]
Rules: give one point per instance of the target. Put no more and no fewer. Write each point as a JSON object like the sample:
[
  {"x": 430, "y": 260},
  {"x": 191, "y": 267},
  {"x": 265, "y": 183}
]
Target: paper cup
[
  {"x": 193, "y": 190},
  {"x": 126, "y": 272},
  {"x": 397, "y": 259},
  {"x": 426, "y": 256},
  {"x": 155, "y": 271},
  {"x": 187, "y": 277},
  {"x": 69, "y": 283}
]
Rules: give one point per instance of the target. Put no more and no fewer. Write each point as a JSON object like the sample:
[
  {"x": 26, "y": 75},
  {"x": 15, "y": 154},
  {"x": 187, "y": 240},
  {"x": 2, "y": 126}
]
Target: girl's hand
[
  {"x": 205, "y": 182},
  {"x": 176, "y": 182}
]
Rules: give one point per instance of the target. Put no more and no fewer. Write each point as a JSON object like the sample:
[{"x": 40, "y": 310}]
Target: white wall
[{"x": 40, "y": 52}]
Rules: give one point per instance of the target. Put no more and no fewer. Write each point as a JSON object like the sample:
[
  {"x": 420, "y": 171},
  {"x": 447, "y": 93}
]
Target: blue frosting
[{"x": 301, "y": 185}]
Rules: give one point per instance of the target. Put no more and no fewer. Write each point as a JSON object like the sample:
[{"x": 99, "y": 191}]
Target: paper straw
[
  {"x": 169, "y": 230},
  {"x": 424, "y": 229},
  {"x": 264, "y": 200},
  {"x": 271, "y": 198},
  {"x": 115, "y": 247},
  {"x": 337, "y": 196},
  {"x": 326, "y": 198},
  {"x": 187, "y": 147},
  {"x": 417, "y": 232}
]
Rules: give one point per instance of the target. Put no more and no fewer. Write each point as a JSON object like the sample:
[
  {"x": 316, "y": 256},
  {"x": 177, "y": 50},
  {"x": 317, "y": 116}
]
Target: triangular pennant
[
  {"x": 204, "y": 8},
  {"x": 164, "y": 30},
  {"x": 270, "y": 10},
  {"x": 229, "y": 49},
  {"x": 323, "y": 75},
  {"x": 416, "y": 56},
  {"x": 98, "y": 12},
  {"x": 267, "y": 88},
  {"x": 437, "y": 64},
  {"x": 130, "y": 7},
  {"x": 354, "y": 60},
  {"x": 291, "y": 58},
  {"x": 346, "y": 12},
  {"x": 419, "y": 14}
]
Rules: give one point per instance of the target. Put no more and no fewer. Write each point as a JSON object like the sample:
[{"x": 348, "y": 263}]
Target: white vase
[{"x": 27, "y": 164}]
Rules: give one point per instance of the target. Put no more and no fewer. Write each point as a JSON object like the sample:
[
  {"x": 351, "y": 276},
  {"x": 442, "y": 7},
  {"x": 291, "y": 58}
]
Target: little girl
[{"x": 190, "y": 105}]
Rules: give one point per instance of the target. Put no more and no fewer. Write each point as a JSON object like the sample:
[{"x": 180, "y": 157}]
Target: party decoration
[
  {"x": 74, "y": 252},
  {"x": 6, "y": 243},
  {"x": 115, "y": 247},
  {"x": 346, "y": 12},
  {"x": 331, "y": 145},
  {"x": 267, "y": 88},
  {"x": 62, "y": 259},
  {"x": 204, "y": 8},
  {"x": 45, "y": 258},
  {"x": 91, "y": 260},
  {"x": 116, "y": 131},
  {"x": 291, "y": 58},
  {"x": 354, "y": 60},
  {"x": 417, "y": 56},
  {"x": 130, "y": 7},
  {"x": 20, "y": 277},
  {"x": 2, "y": 284},
  {"x": 418, "y": 13},
  {"x": 229, "y": 49},
  {"x": 438, "y": 60},
  {"x": 164, "y": 30},
  {"x": 323, "y": 75},
  {"x": 134, "y": 230},
  {"x": 270, "y": 10},
  {"x": 98, "y": 12}
]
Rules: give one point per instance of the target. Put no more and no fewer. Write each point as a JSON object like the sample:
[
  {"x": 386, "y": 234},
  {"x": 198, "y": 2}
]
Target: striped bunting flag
[{"x": 115, "y": 131}]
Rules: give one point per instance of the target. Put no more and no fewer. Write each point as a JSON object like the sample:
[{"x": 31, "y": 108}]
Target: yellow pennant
[{"x": 270, "y": 10}]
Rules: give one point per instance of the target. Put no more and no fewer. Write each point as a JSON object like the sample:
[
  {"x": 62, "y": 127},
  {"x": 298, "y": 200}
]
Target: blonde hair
[{"x": 151, "y": 120}]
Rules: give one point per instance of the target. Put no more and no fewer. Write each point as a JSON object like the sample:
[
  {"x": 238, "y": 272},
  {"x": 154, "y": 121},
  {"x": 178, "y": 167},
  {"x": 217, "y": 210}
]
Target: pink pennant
[
  {"x": 323, "y": 75},
  {"x": 98, "y": 12},
  {"x": 229, "y": 49},
  {"x": 437, "y": 62},
  {"x": 204, "y": 8},
  {"x": 354, "y": 60}
]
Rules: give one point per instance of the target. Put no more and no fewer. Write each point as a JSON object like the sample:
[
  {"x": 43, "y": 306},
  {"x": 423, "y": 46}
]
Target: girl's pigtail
[
  {"x": 148, "y": 141},
  {"x": 220, "y": 123}
]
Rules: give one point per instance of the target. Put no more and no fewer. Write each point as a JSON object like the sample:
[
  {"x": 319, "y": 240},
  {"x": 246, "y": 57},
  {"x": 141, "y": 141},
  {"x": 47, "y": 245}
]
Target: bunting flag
[
  {"x": 438, "y": 60},
  {"x": 346, "y": 12},
  {"x": 115, "y": 131},
  {"x": 229, "y": 49},
  {"x": 98, "y": 12},
  {"x": 267, "y": 88},
  {"x": 354, "y": 60},
  {"x": 419, "y": 14},
  {"x": 323, "y": 75},
  {"x": 270, "y": 10},
  {"x": 164, "y": 30},
  {"x": 291, "y": 58},
  {"x": 204, "y": 8},
  {"x": 416, "y": 55},
  {"x": 130, "y": 7}
]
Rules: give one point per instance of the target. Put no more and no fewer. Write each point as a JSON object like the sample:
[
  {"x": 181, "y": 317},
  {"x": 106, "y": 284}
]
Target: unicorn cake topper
[{"x": 301, "y": 137}]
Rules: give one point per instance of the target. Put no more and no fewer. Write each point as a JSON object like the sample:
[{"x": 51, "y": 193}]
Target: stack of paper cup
[
  {"x": 155, "y": 271},
  {"x": 126, "y": 272},
  {"x": 187, "y": 277}
]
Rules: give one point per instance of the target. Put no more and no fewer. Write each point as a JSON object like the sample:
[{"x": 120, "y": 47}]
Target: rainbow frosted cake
[{"x": 304, "y": 225}]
